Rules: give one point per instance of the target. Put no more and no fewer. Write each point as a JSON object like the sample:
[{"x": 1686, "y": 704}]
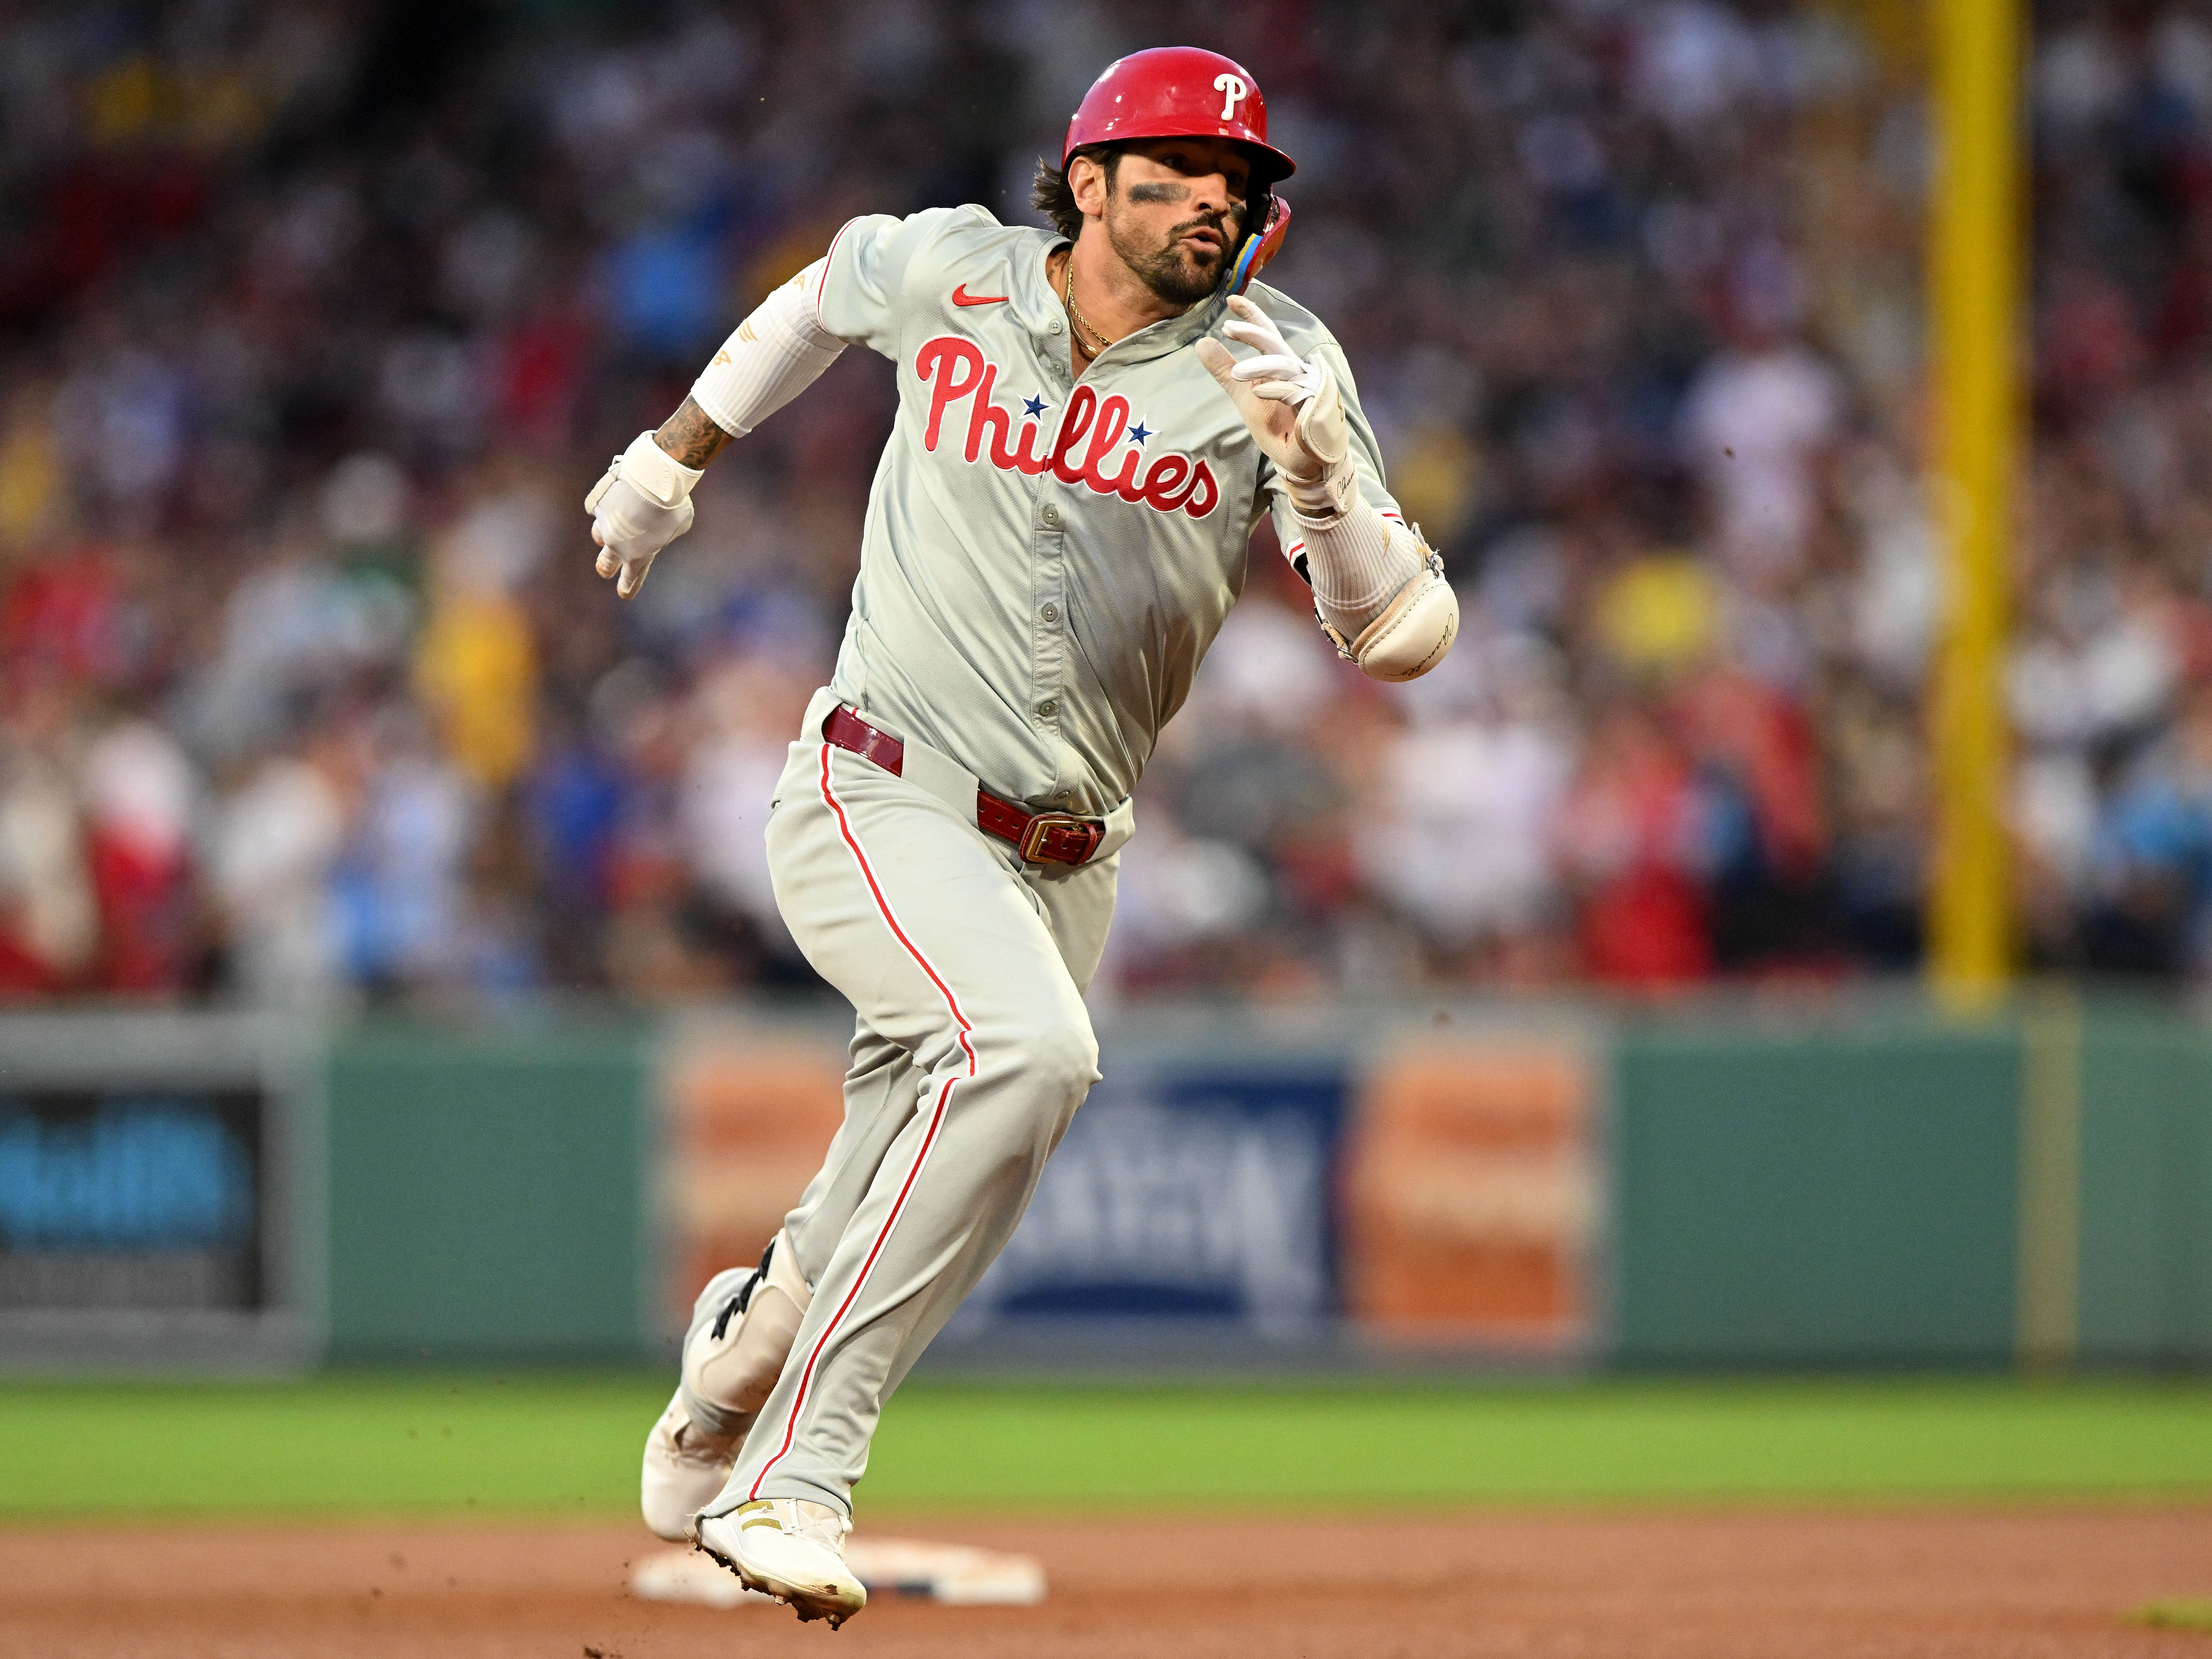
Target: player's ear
[{"x": 1086, "y": 182}]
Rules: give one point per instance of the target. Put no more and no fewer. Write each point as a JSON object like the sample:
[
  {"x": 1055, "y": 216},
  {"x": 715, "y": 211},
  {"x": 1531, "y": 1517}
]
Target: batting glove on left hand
[
  {"x": 1293, "y": 408},
  {"x": 641, "y": 504}
]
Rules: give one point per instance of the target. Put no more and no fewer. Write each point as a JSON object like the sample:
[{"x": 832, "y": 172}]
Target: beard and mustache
[{"x": 1180, "y": 275}]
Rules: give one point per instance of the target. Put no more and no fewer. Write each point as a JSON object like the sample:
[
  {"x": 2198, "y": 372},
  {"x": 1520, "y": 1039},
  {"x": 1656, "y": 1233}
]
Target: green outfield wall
[
  {"x": 2145, "y": 1236},
  {"x": 1815, "y": 1194},
  {"x": 487, "y": 1192},
  {"x": 1829, "y": 1186}
]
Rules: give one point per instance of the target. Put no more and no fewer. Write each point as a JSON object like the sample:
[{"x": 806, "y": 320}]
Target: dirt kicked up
[{"x": 1923, "y": 1583}]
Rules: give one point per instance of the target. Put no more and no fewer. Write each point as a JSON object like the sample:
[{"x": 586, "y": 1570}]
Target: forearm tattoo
[{"x": 691, "y": 436}]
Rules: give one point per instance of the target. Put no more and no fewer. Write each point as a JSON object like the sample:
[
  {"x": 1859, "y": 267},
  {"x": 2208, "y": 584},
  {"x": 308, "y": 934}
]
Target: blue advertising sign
[
  {"x": 126, "y": 1199},
  {"x": 160, "y": 1192},
  {"x": 1198, "y": 1192}
]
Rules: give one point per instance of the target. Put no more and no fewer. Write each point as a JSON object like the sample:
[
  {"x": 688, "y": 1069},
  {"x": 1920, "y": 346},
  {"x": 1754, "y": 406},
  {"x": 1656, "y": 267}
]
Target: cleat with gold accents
[{"x": 792, "y": 1549}]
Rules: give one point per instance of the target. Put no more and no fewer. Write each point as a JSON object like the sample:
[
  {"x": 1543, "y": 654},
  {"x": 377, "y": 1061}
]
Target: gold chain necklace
[{"x": 1082, "y": 322}]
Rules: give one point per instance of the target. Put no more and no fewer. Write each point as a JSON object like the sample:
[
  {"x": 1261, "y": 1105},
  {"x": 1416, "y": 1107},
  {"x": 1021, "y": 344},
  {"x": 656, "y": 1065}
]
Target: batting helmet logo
[{"x": 1233, "y": 91}]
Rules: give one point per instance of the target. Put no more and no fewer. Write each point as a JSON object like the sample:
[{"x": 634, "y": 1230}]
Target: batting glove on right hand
[
  {"x": 641, "y": 504},
  {"x": 1292, "y": 407}
]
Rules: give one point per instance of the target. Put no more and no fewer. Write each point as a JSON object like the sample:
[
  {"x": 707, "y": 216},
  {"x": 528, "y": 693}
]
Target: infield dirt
[{"x": 1956, "y": 1583}]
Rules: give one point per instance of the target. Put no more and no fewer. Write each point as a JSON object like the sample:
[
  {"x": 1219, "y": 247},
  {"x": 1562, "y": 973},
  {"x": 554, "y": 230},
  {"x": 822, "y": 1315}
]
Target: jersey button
[
  {"x": 1051, "y": 514},
  {"x": 1052, "y": 613},
  {"x": 1048, "y": 707}
]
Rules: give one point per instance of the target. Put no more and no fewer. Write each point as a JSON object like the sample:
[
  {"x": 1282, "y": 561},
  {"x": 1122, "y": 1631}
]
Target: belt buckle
[{"x": 1031, "y": 845}]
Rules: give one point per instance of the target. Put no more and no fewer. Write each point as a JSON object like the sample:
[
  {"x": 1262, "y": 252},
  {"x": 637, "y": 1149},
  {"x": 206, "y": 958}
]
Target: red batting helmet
[{"x": 1177, "y": 92}]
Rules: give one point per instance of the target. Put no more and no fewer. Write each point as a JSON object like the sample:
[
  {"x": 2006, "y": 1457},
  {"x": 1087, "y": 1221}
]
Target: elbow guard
[{"x": 1414, "y": 631}]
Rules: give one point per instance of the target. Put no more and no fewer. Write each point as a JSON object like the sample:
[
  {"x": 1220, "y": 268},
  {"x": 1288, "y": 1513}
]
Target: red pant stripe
[{"x": 929, "y": 1140}]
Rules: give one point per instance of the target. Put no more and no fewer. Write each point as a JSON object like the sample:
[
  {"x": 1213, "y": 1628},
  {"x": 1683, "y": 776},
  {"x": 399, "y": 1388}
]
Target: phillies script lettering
[{"x": 1091, "y": 429}]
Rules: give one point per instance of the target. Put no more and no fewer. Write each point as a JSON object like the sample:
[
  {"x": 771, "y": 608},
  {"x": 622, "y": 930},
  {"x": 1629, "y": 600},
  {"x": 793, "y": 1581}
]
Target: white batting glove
[
  {"x": 1293, "y": 408},
  {"x": 641, "y": 504}
]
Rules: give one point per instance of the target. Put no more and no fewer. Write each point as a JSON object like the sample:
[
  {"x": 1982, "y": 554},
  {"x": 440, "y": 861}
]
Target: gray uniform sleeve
[
  {"x": 1366, "y": 459},
  {"x": 867, "y": 269}
]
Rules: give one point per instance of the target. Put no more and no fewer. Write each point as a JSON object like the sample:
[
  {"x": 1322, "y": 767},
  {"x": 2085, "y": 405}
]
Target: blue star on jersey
[
  {"x": 1138, "y": 433},
  {"x": 1033, "y": 406}
]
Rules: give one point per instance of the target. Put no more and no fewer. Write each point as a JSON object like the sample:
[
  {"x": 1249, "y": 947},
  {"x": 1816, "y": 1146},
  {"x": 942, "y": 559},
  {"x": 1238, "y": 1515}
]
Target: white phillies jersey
[{"x": 1045, "y": 559}]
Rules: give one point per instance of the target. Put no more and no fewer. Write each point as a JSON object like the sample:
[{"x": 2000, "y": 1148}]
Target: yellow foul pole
[{"x": 1974, "y": 257}]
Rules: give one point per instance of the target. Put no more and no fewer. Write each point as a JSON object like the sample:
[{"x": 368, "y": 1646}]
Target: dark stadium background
[{"x": 316, "y": 322}]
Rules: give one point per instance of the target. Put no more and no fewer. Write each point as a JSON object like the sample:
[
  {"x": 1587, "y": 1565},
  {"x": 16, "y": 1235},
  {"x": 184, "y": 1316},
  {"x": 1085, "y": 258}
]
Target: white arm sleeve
[
  {"x": 775, "y": 354},
  {"x": 1358, "y": 561}
]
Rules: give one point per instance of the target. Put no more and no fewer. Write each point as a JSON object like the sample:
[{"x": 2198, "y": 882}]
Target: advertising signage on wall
[
  {"x": 1404, "y": 1191},
  {"x": 1472, "y": 1197},
  {"x": 746, "y": 1113},
  {"x": 154, "y": 1191},
  {"x": 1181, "y": 1191},
  {"x": 126, "y": 1199}
]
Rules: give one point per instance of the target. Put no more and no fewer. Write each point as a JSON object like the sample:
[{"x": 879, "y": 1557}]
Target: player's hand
[
  {"x": 1291, "y": 403},
  {"x": 630, "y": 522}
]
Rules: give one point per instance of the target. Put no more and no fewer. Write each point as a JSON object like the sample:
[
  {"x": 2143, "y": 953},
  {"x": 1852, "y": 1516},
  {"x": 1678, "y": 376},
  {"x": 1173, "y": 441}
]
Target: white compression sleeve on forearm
[
  {"x": 775, "y": 354},
  {"x": 1358, "y": 561}
]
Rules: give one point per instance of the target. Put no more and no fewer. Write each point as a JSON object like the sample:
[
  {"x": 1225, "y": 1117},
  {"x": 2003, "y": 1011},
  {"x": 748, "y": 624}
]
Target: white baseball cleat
[
  {"x": 685, "y": 1470},
  {"x": 742, "y": 1329},
  {"x": 791, "y": 1549}
]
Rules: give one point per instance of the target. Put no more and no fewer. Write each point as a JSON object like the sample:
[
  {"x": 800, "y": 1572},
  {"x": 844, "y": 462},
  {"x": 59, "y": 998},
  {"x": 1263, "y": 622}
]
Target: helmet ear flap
[{"x": 1271, "y": 214}]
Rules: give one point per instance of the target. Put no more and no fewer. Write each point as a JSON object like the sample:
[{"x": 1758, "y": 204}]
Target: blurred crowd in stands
[{"x": 317, "y": 319}]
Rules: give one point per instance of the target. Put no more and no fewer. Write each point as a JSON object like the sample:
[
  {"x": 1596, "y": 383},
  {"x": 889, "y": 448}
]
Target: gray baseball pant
[{"x": 971, "y": 1052}]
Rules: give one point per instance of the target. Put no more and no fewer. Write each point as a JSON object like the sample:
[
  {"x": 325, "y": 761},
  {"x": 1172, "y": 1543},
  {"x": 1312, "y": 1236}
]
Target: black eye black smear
[{"x": 1158, "y": 192}]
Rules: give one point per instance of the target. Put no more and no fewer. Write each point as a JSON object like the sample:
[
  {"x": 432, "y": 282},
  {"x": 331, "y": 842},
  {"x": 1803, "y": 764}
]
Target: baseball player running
[{"x": 1057, "y": 525}]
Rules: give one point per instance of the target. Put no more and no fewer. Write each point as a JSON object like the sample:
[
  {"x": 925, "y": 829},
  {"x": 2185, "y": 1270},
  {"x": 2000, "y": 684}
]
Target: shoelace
[{"x": 827, "y": 1527}]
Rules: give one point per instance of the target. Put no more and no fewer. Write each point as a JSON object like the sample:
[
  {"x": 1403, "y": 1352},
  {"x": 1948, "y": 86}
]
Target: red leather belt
[{"x": 1039, "y": 837}]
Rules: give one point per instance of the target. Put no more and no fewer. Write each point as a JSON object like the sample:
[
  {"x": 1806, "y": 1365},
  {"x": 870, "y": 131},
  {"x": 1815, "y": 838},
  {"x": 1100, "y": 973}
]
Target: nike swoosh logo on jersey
[{"x": 961, "y": 296}]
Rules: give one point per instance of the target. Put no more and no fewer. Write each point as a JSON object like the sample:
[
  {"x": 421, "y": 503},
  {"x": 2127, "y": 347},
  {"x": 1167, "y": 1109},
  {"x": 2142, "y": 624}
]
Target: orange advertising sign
[
  {"x": 1471, "y": 1196},
  {"x": 747, "y": 1116}
]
